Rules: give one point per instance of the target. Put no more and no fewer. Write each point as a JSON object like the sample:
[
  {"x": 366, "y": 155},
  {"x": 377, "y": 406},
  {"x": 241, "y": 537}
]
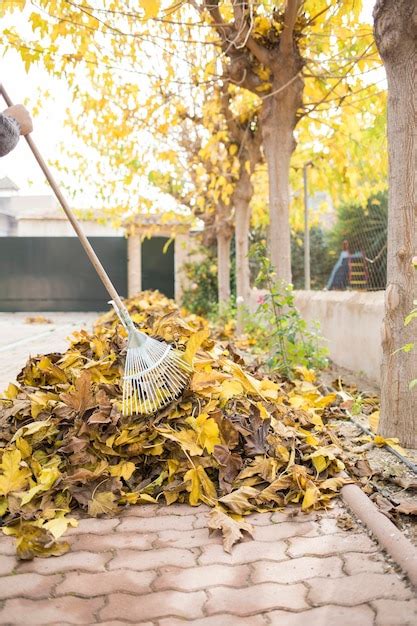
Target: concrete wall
[
  {"x": 60, "y": 227},
  {"x": 350, "y": 322}
]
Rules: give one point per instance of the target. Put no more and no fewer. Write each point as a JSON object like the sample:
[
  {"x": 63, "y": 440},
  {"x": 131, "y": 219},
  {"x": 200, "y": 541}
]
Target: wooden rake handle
[{"x": 70, "y": 215}]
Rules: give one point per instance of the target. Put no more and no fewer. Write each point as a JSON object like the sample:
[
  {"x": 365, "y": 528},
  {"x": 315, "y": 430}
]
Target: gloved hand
[{"x": 22, "y": 117}]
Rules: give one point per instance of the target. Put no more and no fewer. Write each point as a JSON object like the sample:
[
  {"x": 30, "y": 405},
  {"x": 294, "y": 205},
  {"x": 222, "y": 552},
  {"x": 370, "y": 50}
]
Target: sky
[{"x": 49, "y": 123}]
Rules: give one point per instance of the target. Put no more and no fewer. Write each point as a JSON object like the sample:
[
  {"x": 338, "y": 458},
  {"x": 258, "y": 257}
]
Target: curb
[{"x": 392, "y": 540}]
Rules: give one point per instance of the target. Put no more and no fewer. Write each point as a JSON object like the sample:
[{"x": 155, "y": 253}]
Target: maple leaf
[
  {"x": 230, "y": 388},
  {"x": 13, "y": 476},
  {"x": 238, "y": 501},
  {"x": 311, "y": 496},
  {"x": 206, "y": 429},
  {"x": 194, "y": 343},
  {"x": 58, "y": 526},
  {"x": 232, "y": 528},
  {"x": 103, "y": 503},
  {"x": 124, "y": 469},
  {"x": 33, "y": 540},
  {"x": 82, "y": 398},
  {"x": 230, "y": 464},
  {"x": 200, "y": 486}
]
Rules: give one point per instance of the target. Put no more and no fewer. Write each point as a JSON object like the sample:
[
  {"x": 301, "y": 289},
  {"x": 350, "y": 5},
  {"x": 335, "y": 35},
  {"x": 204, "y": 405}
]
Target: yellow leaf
[
  {"x": 56, "y": 373},
  {"x": 205, "y": 380},
  {"x": 186, "y": 438},
  {"x": 3, "y": 505},
  {"x": 124, "y": 469},
  {"x": 58, "y": 526},
  {"x": 207, "y": 431},
  {"x": 39, "y": 401},
  {"x": 194, "y": 487},
  {"x": 151, "y": 7},
  {"x": 11, "y": 392},
  {"x": 24, "y": 447},
  {"x": 311, "y": 496},
  {"x": 102, "y": 504},
  {"x": 45, "y": 480},
  {"x": 194, "y": 343},
  {"x": 306, "y": 374},
  {"x": 264, "y": 388},
  {"x": 319, "y": 463},
  {"x": 230, "y": 388},
  {"x": 373, "y": 420},
  {"x": 13, "y": 476},
  {"x": 199, "y": 486},
  {"x": 263, "y": 413},
  {"x": 31, "y": 429},
  {"x": 392, "y": 442}
]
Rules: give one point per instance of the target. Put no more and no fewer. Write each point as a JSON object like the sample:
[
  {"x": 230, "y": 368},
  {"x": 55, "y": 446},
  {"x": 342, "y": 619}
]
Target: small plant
[
  {"x": 278, "y": 325},
  {"x": 201, "y": 295}
]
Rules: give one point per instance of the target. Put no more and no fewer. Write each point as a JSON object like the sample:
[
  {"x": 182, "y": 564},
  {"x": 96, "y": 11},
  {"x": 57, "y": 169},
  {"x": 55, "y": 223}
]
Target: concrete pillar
[
  {"x": 134, "y": 265},
  {"x": 180, "y": 257},
  {"x": 186, "y": 250}
]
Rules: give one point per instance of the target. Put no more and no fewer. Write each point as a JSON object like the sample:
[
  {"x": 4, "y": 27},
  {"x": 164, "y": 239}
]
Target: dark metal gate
[{"x": 54, "y": 273}]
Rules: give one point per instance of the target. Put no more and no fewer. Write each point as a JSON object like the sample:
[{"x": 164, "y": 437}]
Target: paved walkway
[{"x": 159, "y": 565}]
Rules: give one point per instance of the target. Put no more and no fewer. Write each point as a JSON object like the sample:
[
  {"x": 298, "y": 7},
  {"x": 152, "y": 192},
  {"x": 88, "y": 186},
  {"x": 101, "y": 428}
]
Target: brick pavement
[{"x": 159, "y": 566}]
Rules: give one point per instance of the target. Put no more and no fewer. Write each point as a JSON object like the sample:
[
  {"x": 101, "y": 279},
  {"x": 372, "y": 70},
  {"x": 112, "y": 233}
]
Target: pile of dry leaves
[{"x": 235, "y": 440}]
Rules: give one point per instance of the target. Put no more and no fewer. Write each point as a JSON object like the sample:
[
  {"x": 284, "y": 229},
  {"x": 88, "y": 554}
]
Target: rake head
[{"x": 155, "y": 374}]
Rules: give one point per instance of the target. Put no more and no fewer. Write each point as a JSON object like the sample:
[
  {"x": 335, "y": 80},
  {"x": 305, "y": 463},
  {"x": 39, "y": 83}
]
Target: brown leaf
[
  {"x": 82, "y": 398},
  {"x": 238, "y": 501},
  {"x": 102, "y": 414},
  {"x": 228, "y": 432},
  {"x": 362, "y": 468},
  {"x": 407, "y": 507},
  {"x": 405, "y": 482},
  {"x": 231, "y": 529},
  {"x": 230, "y": 463}
]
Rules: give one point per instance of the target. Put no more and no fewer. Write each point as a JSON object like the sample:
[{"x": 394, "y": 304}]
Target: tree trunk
[
  {"x": 278, "y": 160},
  {"x": 242, "y": 221},
  {"x": 396, "y": 37},
  {"x": 223, "y": 268},
  {"x": 278, "y": 120}
]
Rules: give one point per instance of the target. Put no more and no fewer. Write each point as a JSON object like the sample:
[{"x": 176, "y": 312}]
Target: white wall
[
  {"x": 62, "y": 228},
  {"x": 350, "y": 321}
]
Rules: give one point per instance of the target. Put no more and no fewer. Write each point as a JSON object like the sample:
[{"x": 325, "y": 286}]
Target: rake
[{"x": 155, "y": 372}]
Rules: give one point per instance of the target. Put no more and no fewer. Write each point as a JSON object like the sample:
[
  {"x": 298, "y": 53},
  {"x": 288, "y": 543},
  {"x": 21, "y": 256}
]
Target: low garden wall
[{"x": 350, "y": 322}]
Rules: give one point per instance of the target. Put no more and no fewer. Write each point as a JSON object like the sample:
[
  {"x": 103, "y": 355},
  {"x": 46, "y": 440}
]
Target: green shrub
[{"x": 278, "y": 327}]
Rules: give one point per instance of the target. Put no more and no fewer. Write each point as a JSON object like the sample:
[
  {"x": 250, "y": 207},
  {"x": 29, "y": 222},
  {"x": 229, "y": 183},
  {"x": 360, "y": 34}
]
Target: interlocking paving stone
[
  {"x": 395, "y": 612},
  {"x": 32, "y": 585},
  {"x": 331, "y": 544},
  {"x": 103, "y": 583},
  {"x": 56, "y": 611},
  {"x": 256, "y": 599},
  {"x": 295, "y": 570},
  {"x": 325, "y": 616},
  {"x": 202, "y": 577},
  {"x": 83, "y": 560},
  {"x": 155, "y": 605},
  {"x": 356, "y": 589},
  {"x": 114, "y": 541},
  {"x": 152, "y": 559}
]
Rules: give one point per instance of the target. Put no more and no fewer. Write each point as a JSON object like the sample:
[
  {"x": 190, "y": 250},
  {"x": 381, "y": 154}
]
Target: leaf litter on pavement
[{"x": 235, "y": 440}]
